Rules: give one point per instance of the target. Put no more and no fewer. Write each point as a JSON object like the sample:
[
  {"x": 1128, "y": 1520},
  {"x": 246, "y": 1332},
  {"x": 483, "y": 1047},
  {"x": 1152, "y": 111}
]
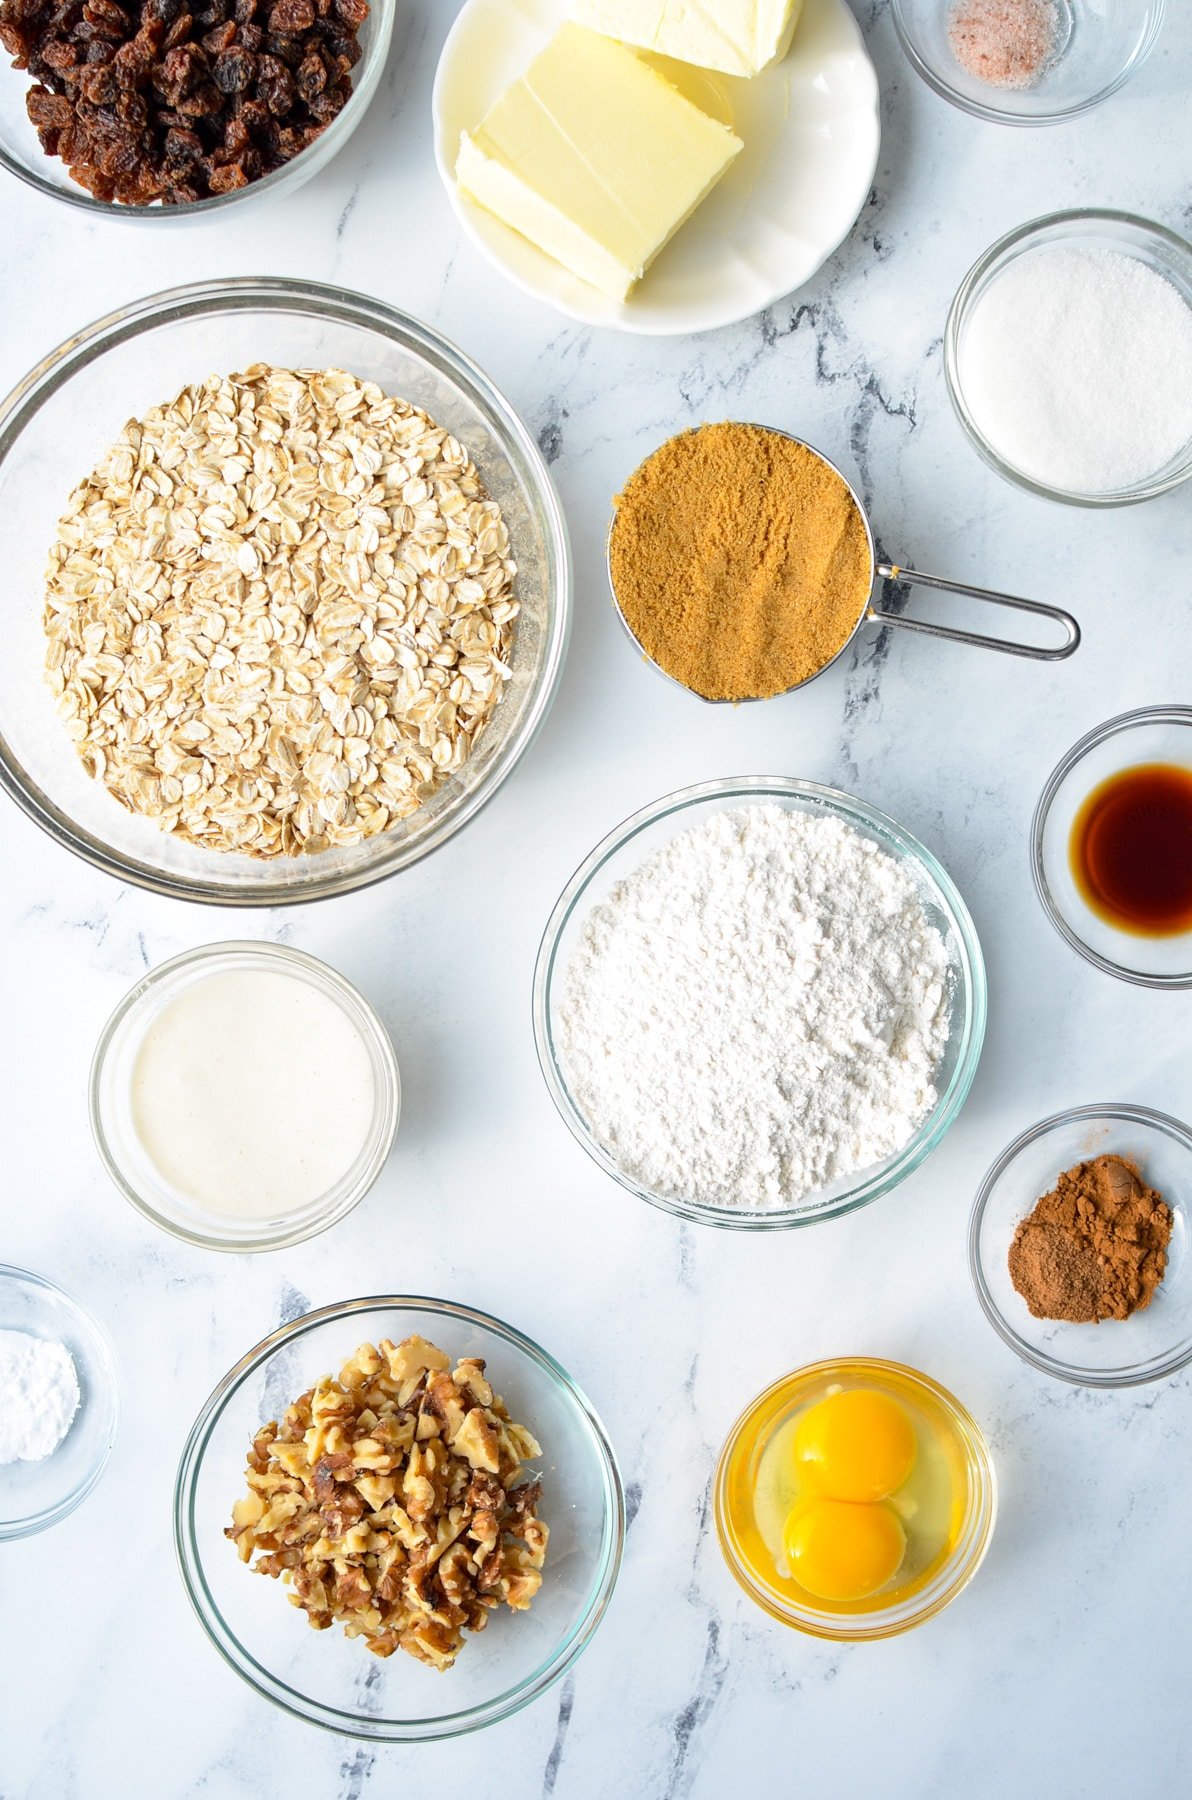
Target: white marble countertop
[{"x": 1059, "y": 1672}]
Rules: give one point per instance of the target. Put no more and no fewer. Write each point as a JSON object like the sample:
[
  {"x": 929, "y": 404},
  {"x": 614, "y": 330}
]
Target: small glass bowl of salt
[
  {"x": 1068, "y": 357},
  {"x": 1026, "y": 62},
  {"x": 61, "y": 1404}
]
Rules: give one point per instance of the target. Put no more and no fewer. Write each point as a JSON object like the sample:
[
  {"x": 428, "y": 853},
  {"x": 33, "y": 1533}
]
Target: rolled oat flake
[{"x": 39, "y": 1396}]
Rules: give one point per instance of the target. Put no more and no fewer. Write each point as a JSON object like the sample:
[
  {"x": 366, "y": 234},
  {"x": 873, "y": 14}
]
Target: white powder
[
  {"x": 757, "y": 1011},
  {"x": 1077, "y": 367},
  {"x": 39, "y": 1396}
]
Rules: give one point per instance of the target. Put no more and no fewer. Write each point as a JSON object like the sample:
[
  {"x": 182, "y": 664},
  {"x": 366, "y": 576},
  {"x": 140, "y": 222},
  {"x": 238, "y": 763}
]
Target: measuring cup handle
[{"x": 1071, "y": 630}]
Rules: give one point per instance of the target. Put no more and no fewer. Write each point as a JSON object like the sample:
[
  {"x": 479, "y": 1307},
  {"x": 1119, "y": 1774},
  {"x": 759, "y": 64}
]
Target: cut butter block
[
  {"x": 595, "y": 158},
  {"x": 739, "y": 37}
]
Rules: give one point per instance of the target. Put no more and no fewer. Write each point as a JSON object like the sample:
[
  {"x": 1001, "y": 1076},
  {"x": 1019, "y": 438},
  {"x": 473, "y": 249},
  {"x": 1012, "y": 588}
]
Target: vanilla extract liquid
[{"x": 1131, "y": 850}]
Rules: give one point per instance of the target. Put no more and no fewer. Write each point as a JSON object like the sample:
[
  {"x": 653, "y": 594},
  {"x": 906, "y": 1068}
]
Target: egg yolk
[
  {"x": 855, "y": 1445},
  {"x": 838, "y": 1550}
]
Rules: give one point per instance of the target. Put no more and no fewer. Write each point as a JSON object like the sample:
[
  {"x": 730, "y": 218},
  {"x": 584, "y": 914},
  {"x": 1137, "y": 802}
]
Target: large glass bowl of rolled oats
[
  {"x": 399, "y": 1519},
  {"x": 287, "y": 591}
]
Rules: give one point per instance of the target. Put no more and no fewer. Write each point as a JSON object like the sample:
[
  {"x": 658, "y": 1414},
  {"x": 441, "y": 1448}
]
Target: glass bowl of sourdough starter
[
  {"x": 629, "y": 845},
  {"x": 1098, "y": 46},
  {"x": 35, "y": 1495},
  {"x": 962, "y": 1495},
  {"x": 21, "y": 153},
  {"x": 162, "y": 1194},
  {"x": 1155, "y": 1341},
  {"x": 328, "y": 1679},
  {"x": 1152, "y": 245},
  {"x": 69, "y": 409}
]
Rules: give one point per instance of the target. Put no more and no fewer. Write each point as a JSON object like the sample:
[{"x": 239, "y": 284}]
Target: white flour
[
  {"x": 39, "y": 1396},
  {"x": 757, "y": 1011}
]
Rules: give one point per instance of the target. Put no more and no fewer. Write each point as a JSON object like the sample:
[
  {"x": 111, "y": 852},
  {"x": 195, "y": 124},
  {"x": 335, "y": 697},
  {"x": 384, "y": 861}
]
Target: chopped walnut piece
[{"x": 385, "y": 1499}]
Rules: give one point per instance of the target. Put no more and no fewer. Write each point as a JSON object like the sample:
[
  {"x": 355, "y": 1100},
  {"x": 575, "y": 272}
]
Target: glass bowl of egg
[
  {"x": 244, "y": 1096},
  {"x": 854, "y": 1499}
]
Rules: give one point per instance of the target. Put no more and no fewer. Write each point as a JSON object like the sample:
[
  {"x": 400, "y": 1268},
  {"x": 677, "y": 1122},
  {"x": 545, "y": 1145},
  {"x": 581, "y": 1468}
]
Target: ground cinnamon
[
  {"x": 740, "y": 561},
  {"x": 1095, "y": 1247}
]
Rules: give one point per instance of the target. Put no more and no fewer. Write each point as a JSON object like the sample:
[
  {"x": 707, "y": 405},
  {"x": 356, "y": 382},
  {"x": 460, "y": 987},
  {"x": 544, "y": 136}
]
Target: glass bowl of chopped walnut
[
  {"x": 287, "y": 592},
  {"x": 431, "y": 1494},
  {"x": 156, "y": 109}
]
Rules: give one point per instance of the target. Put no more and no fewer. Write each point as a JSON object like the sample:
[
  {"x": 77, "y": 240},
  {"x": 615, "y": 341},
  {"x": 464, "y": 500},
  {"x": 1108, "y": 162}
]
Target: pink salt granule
[{"x": 1004, "y": 42}]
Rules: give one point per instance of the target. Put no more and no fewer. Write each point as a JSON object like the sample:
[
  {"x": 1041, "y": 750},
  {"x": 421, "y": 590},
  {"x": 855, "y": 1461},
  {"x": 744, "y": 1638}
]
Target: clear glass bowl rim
[
  {"x": 281, "y": 294},
  {"x": 999, "y": 116},
  {"x": 337, "y": 133},
  {"x": 749, "y": 790},
  {"x": 958, "y": 312},
  {"x": 388, "y": 1098},
  {"x": 968, "y": 1554},
  {"x": 1090, "y": 1378},
  {"x": 446, "y": 1725},
  {"x": 1174, "y": 714},
  {"x": 31, "y": 1523}
]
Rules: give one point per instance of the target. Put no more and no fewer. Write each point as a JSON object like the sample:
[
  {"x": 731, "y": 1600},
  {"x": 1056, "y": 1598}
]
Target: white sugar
[{"x": 1077, "y": 368}]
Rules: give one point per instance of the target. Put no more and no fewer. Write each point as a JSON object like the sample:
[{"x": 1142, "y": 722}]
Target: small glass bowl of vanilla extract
[{"x": 1112, "y": 847}]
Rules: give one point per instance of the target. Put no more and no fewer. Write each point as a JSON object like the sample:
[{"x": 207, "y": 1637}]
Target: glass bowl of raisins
[{"x": 173, "y": 108}]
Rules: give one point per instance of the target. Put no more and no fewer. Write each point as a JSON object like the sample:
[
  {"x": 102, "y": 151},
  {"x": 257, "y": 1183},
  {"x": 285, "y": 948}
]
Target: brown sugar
[
  {"x": 740, "y": 561},
  {"x": 1095, "y": 1247}
]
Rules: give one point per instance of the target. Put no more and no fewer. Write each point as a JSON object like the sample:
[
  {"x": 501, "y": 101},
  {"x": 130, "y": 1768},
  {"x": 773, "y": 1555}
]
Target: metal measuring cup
[{"x": 885, "y": 572}]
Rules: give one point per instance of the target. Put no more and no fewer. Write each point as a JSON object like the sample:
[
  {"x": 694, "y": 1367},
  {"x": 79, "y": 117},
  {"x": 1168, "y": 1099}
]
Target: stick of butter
[
  {"x": 739, "y": 37},
  {"x": 595, "y": 158}
]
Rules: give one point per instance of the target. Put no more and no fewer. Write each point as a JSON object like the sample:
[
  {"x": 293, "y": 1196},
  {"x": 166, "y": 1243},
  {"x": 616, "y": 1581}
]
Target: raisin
[
  {"x": 291, "y": 17},
  {"x": 277, "y": 95},
  {"x": 226, "y": 180},
  {"x": 311, "y": 79},
  {"x": 178, "y": 32},
  {"x": 352, "y": 12},
  {"x": 47, "y": 110},
  {"x": 233, "y": 72},
  {"x": 287, "y": 49},
  {"x": 205, "y": 99},
  {"x": 107, "y": 13},
  {"x": 182, "y": 147},
  {"x": 98, "y": 86}
]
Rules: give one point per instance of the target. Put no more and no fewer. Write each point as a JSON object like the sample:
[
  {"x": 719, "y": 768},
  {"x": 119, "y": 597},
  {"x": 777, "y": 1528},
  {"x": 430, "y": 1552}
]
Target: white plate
[{"x": 811, "y": 134}]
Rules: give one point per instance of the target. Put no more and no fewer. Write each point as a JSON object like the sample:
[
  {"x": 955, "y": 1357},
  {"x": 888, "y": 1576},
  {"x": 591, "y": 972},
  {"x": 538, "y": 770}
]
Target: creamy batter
[{"x": 252, "y": 1093}]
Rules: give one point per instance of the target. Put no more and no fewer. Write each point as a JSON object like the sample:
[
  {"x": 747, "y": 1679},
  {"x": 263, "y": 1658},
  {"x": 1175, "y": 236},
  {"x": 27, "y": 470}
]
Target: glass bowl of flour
[
  {"x": 759, "y": 1003},
  {"x": 61, "y": 1387}
]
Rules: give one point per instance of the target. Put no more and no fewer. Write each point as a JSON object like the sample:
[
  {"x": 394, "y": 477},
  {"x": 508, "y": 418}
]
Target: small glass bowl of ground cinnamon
[{"x": 1078, "y": 1246}]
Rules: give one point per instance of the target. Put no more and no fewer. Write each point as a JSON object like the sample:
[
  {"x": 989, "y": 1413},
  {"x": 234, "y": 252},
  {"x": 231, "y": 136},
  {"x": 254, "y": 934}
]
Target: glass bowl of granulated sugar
[
  {"x": 1068, "y": 358},
  {"x": 759, "y": 1003}
]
